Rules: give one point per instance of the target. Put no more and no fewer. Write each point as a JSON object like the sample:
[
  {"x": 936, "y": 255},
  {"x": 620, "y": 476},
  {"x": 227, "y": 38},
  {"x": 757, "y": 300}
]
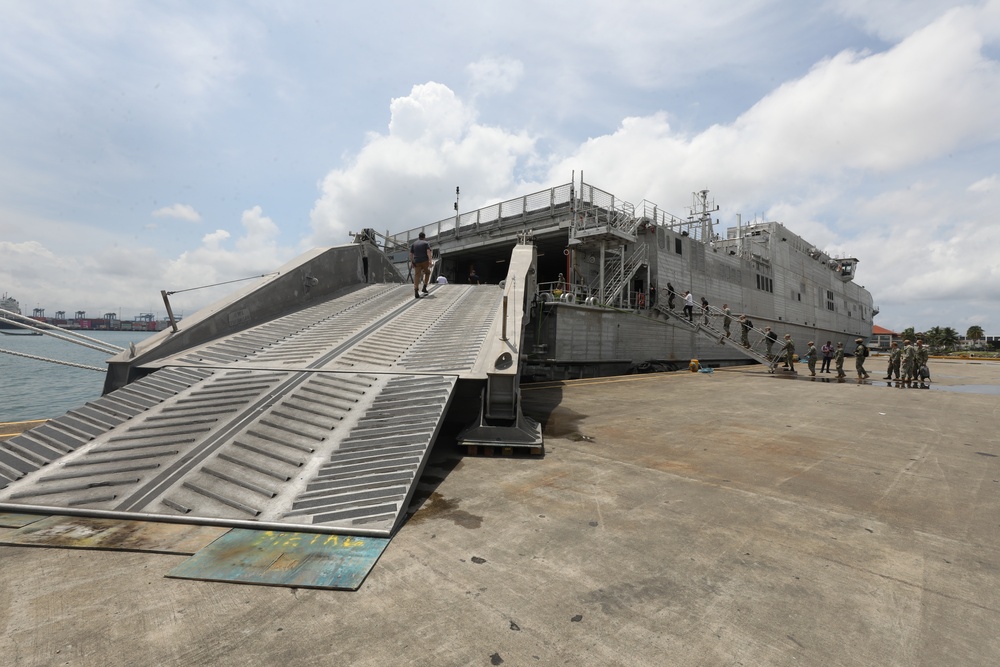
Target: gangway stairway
[
  {"x": 718, "y": 334},
  {"x": 321, "y": 420}
]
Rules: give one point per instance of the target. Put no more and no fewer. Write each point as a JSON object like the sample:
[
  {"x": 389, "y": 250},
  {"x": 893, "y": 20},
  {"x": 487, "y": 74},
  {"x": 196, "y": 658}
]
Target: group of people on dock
[
  {"x": 908, "y": 363},
  {"x": 831, "y": 353}
]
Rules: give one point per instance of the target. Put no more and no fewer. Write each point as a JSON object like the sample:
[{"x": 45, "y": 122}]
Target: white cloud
[
  {"x": 407, "y": 177},
  {"x": 223, "y": 257},
  {"x": 883, "y": 149},
  {"x": 498, "y": 75},
  {"x": 179, "y": 211},
  {"x": 988, "y": 184},
  {"x": 129, "y": 277},
  {"x": 893, "y": 20},
  {"x": 214, "y": 240}
]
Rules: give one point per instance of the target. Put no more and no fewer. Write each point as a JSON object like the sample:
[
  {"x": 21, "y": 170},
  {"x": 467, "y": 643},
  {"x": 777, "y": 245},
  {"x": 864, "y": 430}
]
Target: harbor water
[{"x": 32, "y": 389}]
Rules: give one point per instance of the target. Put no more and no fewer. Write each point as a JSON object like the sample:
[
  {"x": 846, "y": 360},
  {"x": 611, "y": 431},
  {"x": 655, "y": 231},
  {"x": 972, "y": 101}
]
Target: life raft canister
[{"x": 694, "y": 366}]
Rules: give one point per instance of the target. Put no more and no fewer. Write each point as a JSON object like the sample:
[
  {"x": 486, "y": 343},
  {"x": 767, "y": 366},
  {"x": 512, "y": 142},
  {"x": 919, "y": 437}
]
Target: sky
[{"x": 148, "y": 146}]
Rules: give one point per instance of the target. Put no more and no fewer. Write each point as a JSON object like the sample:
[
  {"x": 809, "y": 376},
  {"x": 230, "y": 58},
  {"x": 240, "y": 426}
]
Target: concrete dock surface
[{"x": 731, "y": 518}]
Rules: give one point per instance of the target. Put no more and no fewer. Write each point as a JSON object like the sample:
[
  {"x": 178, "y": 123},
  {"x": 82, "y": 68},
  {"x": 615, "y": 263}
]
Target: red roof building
[{"x": 882, "y": 337}]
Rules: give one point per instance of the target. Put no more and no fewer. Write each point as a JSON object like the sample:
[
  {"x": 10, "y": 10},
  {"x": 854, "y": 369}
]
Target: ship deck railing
[
  {"x": 578, "y": 208},
  {"x": 510, "y": 214},
  {"x": 656, "y": 216}
]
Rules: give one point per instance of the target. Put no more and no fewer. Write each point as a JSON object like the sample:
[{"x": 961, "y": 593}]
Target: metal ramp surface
[
  {"x": 377, "y": 328},
  {"x": 319, "y": 421}
]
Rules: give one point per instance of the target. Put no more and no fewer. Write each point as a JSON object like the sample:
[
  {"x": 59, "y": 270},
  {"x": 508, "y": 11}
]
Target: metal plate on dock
[
  {"x": 268, "y": 558},
  {"x": 74, "y": 532},
  {"x": 13, "y": 520}
]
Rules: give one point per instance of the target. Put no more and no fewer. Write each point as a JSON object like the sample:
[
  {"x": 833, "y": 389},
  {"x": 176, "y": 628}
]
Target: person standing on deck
[
  {"x": 727, "y": 318},
  {"x": 770, "y": 338},
  {"x": 788, "y": 352},
  {"x": 420, "y": 257},
  {"x": 689, "y": 306},
  {"x": 811, "y": 355},
  {"x": 838, "y": 357},
  {"x": 859, "y": 358},
  {"x": 895, "y": 355},
  {"x": 827, "y": 357}
]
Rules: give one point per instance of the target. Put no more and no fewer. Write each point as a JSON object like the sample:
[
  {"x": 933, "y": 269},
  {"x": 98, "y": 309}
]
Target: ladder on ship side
[
  {"x": 719, "y": 335},
  {"x": 619, "y": 272}
]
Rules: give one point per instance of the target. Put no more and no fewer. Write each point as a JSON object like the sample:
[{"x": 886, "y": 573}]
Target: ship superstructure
[{"x": 606, "y": 269}]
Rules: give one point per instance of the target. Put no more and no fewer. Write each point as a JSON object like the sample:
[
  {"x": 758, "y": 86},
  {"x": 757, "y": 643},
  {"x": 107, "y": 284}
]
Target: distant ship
[{"x": 11, "y": 304}]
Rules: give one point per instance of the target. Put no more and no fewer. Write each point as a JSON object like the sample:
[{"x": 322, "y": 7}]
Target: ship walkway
[
  {"x": 321, "y": 420},
  {"x": 717, "y": 333}
]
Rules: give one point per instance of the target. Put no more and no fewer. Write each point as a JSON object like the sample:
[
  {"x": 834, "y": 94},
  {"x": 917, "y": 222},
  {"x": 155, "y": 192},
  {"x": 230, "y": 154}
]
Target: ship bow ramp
[{"x": 309, "y": 401}]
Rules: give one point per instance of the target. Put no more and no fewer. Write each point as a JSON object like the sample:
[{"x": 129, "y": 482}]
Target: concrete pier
[{"x": 731, "y": 518}]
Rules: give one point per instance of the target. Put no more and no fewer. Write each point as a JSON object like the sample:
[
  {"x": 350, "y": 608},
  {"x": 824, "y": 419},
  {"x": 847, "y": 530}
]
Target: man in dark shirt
[{"x": 420, "y": 257}]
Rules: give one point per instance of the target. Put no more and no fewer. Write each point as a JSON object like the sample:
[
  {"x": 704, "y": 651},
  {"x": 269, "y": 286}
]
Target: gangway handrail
[{"x": 697, "y": 323}]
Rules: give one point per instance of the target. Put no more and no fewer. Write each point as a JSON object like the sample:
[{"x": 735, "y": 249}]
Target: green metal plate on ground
[
  {"x": 12, "y": 520},
  {"x": 76, "y": 532},
  {"x": 272, "y": 558}
]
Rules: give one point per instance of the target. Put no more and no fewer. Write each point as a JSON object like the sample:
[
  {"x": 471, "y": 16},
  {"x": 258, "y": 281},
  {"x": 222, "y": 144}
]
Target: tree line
[{"x": 944, "y": 339}]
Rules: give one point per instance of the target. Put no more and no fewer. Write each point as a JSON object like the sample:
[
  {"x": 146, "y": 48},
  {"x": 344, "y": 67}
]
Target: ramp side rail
[{"x": 501, "y": 421}]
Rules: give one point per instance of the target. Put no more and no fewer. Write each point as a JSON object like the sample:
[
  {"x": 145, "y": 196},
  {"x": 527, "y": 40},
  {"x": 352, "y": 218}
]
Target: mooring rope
[{"x": 54, "y": 361}]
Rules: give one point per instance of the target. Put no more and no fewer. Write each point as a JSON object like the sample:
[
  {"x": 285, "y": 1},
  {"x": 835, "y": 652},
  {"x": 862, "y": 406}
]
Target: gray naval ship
[
  {"x": 607, "y": 267},
  {"x": 310, "y": 399}
]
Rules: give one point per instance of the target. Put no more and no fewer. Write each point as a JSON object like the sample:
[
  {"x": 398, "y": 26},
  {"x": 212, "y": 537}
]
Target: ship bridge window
[
  {"x": 765, "y": 284},
  {"x": 846, "y": 269},
  {"x": 829, "y": 300},
  {"x": 677, "y": 246}
]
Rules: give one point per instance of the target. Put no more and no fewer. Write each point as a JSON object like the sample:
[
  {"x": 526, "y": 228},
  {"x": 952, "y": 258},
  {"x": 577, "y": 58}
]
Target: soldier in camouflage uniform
[
  {"x": 769, "y": 339},
  {"x": 788, "y": 352},
  {"x": 838, "y": 359},
  {"x": 920, "y": 356},
  {"x": 906, "y": 361},
  {"x": 895, "y": 354},
  {"x": 859, "y": 358},
  {"x": 811, "y": 355}
]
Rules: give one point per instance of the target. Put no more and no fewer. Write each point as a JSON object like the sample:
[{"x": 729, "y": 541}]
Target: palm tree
[
  {"x": 908, "y": 334},
  {"x": 949, "y": 338},
  {"x": 933, "y": 337},
  {"x": 975, "y": 334}
]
